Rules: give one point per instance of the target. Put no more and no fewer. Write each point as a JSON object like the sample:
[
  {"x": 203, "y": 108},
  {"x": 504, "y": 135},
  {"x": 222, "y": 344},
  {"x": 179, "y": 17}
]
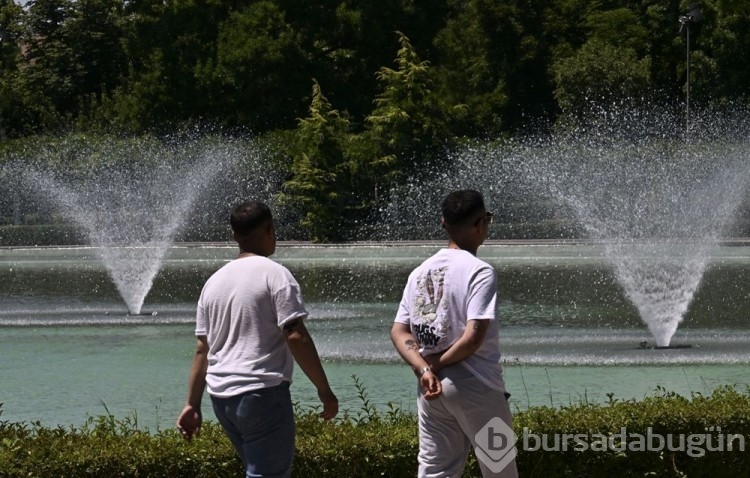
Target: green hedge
[
  {"x": 726, "y": 411},
  {"x": 374, "y": 444}
]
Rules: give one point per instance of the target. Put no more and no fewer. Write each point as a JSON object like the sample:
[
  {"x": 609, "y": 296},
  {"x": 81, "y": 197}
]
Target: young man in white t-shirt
[
  {"x": 446, "y": 329},
  {"x": 250, "y": 329}
]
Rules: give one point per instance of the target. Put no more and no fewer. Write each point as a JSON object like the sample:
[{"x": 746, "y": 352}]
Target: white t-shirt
[
  {"x": 442, "y": 294},
  {"x": 242, "y": 310}
]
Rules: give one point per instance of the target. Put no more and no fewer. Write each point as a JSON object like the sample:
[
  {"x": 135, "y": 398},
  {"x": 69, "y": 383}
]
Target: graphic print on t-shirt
[{"x": 429, "y": 324}]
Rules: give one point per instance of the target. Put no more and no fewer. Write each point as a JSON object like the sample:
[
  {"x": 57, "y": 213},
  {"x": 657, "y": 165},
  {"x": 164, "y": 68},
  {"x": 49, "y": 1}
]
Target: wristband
[{"x": 424, "y": 370}]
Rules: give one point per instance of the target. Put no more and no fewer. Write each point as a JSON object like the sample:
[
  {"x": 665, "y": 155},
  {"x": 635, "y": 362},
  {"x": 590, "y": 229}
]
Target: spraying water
[
  {"x": 657, "y": 203},
  {"x": 131, "y": 198},
  {"x": 658, "y": 209}
]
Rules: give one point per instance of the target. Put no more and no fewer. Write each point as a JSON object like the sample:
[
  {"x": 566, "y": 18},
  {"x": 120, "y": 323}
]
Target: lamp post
[{"x": 693, "y": 16}]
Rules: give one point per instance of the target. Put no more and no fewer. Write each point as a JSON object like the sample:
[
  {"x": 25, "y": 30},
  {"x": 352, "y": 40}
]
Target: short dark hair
[
  {"x": 459, "y": 206},
  {"x": 248, "y": 216}
]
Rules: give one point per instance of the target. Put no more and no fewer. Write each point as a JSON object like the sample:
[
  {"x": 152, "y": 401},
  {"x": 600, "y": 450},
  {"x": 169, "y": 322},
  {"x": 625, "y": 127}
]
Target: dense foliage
[
  {"x": 141, "y": 65},
  {"x": 374, "y": 91},
  {"x": 369, "y": 443}
]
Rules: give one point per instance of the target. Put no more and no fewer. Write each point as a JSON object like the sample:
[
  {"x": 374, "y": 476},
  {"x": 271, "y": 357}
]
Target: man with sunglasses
[{"x": 446, "y": 329}]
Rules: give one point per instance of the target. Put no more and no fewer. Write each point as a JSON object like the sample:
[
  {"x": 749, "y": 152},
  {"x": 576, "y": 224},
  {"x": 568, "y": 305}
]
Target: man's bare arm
[
  {"x": 407, "y": 347},
  {"x": 306, "y": 355},
  {"x": 189, "y": 421},
  {"x": 470, "y": 341}
]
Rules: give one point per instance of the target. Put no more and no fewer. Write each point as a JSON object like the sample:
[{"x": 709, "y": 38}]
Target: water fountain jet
[
  {"x": 656, "y": 204},
  {"x": 131, "y": 198}
]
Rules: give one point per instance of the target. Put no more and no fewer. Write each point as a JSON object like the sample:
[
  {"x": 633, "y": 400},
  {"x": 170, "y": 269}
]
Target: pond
[{"x": 568, "y": 334}]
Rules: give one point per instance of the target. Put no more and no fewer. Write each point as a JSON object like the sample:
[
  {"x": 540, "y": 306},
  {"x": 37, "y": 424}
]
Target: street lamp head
[{"x": 684, "y": 20}]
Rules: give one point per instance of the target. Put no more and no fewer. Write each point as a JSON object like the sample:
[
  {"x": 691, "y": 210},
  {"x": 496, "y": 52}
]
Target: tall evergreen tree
[
  {"x": 410, "y": 125},
  {"x": 320, "y": 186}
]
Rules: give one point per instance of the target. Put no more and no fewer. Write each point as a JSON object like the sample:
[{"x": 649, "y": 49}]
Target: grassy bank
[{"x": 368, "y": 443}]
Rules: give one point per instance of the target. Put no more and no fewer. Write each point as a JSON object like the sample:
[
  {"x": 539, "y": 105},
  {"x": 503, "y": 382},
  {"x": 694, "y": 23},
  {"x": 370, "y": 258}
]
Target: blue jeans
[{"x": 260, "y": 424}]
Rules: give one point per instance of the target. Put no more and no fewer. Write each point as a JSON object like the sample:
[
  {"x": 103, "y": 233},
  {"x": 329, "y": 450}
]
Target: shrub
[
  {"x": 725, "y": 412},
  {"x": 371, "y": 443}
]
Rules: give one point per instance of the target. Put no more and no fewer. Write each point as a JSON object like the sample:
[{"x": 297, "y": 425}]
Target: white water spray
[
  {"x": 657, "y": 203},
  {"x": 132, "y": 203}
]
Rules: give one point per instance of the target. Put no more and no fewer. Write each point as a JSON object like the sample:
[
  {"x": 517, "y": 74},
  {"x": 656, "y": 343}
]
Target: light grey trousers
[{"x": 449, "y": 427}]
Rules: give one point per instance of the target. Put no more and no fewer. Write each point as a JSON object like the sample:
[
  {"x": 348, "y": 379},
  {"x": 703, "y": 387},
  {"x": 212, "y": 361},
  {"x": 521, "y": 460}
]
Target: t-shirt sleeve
[
  {"x": 402, "y": 314},
  {"x": 288, "y": 299},
  {"x": 200, "y": 320},
  {"x": 482, "y": 295}
]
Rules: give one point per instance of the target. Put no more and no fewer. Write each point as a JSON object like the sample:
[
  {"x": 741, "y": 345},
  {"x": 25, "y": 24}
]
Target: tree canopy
[{"x": 403, "y": 82}]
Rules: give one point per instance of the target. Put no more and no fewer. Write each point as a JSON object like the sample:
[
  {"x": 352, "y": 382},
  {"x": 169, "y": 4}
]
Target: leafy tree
[
  {"x": 466, "y": 74},
  {"x": 410, "y": 125},
  {"x": 71, "y": 58},
  {"x": 141, "y": 102},
  {"x": 94, "y": 33},
  {"x": 659, "y": 18},
  {"x": 46, "y": 74},
  {"x": 258, "y": 78},
  {"x": 144, "y": 65},
  {"x": 492, "y": 58},
  {"x": 10, "y": 108},
  {"x": 620, "y": 27},
  {"x": 520, "y": 58},
  {"x": 598, "y": 75},
  {"x": 717, "y": 41},
  {"x": 166, "y": 44},
  {"x": 10, "y": 28},
  {"x": 346, "y": 41},
  {"x": 320, "y": 186}
]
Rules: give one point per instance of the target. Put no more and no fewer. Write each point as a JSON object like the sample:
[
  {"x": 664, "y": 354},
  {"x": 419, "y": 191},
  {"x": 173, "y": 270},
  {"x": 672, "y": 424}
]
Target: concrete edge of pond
[{"x": 737, "y": 241}]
